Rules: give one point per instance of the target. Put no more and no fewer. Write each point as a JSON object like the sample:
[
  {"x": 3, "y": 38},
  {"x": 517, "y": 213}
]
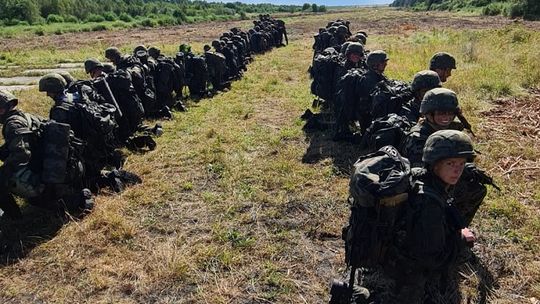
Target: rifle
[{"x": 465, "y": 122}]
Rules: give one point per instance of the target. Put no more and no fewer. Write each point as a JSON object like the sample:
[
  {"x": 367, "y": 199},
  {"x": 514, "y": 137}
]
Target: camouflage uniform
[
  {"x": 22, "y": 171},
  {"x": 427, "y": 246},
  {"x": 423, "y": 81},
  {"x": 355, "y": 101},
  {"x": 438, "y": 99}
]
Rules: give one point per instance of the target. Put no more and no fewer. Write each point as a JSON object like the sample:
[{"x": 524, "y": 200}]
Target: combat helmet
[
  {"x": 108, "y": 68},
  {"x": 376, "y": 57},
  {"x": 112, "y": 52},
  {"x": 447, "y": 144},
  {"x": 439, "y": 99},
  {"x": 53, "y": 83},
  {"x": 139, "y": 47},
  {"x": 442, "y": 60},
  {"x": 6, "y": 97},
  {"x": 425, "y": 79},
  {"x": 342, "y": 29},
  {"x": 154, "y": 52},
  {"x": 91, "y": 64},
  {"x": 67, "y": 77},
  {"x": 355, "y": 48}
]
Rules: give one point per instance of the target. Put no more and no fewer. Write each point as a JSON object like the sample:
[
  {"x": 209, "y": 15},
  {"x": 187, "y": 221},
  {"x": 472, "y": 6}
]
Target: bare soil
[{"x": 299, "y": 26}]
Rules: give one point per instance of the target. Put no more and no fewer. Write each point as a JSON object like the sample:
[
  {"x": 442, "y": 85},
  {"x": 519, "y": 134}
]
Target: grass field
[{"x": 230, "y": 213}]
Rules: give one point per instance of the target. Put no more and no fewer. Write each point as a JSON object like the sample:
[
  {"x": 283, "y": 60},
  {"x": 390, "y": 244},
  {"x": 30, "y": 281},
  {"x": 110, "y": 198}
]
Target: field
[{"x": 240, "y": 205}]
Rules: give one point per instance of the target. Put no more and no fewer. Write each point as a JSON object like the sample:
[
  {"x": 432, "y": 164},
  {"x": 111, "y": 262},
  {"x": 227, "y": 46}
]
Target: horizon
[{"x": 328, "y": 3}]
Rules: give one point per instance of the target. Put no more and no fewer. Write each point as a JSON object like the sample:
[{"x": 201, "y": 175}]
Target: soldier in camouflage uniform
[
  {"x": 423, "y": 81},
  {"x": 22, "y": 172},
  {"x": 433, "y": 233},
  {"x": 442, "y": 63},
  {"x": 439, "y": 108},
  {"x": 355, "y": 98}
]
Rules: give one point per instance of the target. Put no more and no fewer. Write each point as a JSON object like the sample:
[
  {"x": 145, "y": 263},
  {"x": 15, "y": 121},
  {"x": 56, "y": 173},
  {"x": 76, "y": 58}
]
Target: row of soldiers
[
  {"x": 411, "y": 133},
  {"x": 61, "y": 161}
]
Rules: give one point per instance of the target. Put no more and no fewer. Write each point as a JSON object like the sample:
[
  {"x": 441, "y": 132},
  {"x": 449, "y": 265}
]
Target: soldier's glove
[{"x": 4, "y": 153}]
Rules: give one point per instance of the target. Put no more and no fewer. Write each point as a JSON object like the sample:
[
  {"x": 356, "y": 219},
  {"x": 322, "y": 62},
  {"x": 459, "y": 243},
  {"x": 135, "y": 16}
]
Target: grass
[{"x": 228, "y": 212}]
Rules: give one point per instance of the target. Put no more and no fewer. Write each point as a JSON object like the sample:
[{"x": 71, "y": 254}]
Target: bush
[
  {"x": 322, "y": 8},
  {"x": 125, "y": 17},
  {"x": 243, "y": 15},
  {"x": 99, "y": 27},
  {"x": 110, "y": 16},
  {"x": 147, "y": 22},
  {"x": 492, "y": 9},
  {"x": 95, "y": 18},
  {"x": 23, "y": 23},
  {"x": 58, "y": 32},
  {"x": 52, "y": 18},
  {"x": 39, "y": 31},
  {"x": 71, "y": 19},
  {"x": 166, "y": 20}
]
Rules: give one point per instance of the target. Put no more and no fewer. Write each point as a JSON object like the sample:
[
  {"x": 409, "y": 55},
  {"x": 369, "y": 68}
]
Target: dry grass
[{"x": 229, "y": 213}]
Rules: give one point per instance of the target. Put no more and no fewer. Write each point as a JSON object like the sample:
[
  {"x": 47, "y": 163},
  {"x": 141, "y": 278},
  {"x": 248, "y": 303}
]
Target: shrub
[
  {"x": 95, "y": 18},
  {"x": 166, "y": 20},
  {"x": 147, "y": 22},
  {"x": 125, "y": 17},
  {"x": 71, "y": 19},
  {"x": 39, "y": 31},
  {"x": 52, "y": 18},
  {"x": 492, "y": 9},
  {"x": 23, "y": 23},
  {"x": 58, "y": 32},
  {"x": 110, "y": 16},
  {"x": 99, "y": 27},
  {"x": 243, "y": 15}
]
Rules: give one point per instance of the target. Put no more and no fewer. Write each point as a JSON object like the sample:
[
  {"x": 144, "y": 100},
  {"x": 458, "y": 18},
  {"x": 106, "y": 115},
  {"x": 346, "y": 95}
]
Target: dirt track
[{"x": 384, "y": 21}]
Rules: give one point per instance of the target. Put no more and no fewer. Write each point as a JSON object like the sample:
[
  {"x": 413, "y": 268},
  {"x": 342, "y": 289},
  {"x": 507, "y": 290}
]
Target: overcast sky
[{"x": 318, "y": 2}]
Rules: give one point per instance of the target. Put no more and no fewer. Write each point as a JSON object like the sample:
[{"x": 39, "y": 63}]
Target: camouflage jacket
[
  {"x": 413, "y": 144},
  {"x": 18, "y": 132},
  {"x": 432, "y": 232},
  {"x": 411, "y": 110}
]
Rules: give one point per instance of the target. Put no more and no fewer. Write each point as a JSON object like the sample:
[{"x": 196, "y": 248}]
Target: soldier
[
  {"x": 26, "y": 170},
  {"x": 423, "y": 81},
  {"x": 427, "y": 248},
  {"x": 143, "y": 86},
  {"x": 442, "y": 63},
  {"x": 216, "y": 66},
  {"x": 354, "y": 95},
  {"x": 439, "y": 108}
]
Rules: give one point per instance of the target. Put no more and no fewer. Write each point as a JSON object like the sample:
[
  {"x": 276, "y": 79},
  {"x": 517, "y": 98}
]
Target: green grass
[{"x": 228, "y": 212}]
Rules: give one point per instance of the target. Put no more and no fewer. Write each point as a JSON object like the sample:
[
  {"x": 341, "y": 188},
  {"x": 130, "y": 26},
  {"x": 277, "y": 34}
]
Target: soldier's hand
[{"x": 468, "y": 236}]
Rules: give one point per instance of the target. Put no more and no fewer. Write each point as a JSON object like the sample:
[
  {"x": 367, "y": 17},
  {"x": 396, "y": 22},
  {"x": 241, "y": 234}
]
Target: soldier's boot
[
  {"x": 86, "y": 200},
  {"x": 157, "y": 130},
  {"x": 9, "y": 205},
  {"x": 121, "y": 178},
  {"x": 179, "y": 106},
  {"x": 138, "y": 143}
]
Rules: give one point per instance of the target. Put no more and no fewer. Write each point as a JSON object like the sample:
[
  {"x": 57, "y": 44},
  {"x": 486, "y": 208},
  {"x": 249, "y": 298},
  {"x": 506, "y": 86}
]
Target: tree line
[
  {"x": 52, "y": 11},
  {"x": 528, "y": 9}
]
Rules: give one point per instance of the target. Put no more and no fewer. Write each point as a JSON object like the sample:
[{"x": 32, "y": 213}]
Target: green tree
[
  {"x": 314, "y": 8},
  {"x": 306, "y": 6},
  {"x": 24, "y": 10}
]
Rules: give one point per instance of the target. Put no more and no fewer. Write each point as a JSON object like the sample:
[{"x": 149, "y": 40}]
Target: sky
[{"x": 318, "y": 2}]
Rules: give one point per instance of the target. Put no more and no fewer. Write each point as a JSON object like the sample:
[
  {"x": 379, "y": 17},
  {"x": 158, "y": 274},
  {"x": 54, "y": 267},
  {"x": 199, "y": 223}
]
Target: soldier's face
[
  {"x": 443, "y": 118},
  {"x": 444, "y": 74},
  {"x": 355, "y": 57},
  {"x": 449, "y": 170}
]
